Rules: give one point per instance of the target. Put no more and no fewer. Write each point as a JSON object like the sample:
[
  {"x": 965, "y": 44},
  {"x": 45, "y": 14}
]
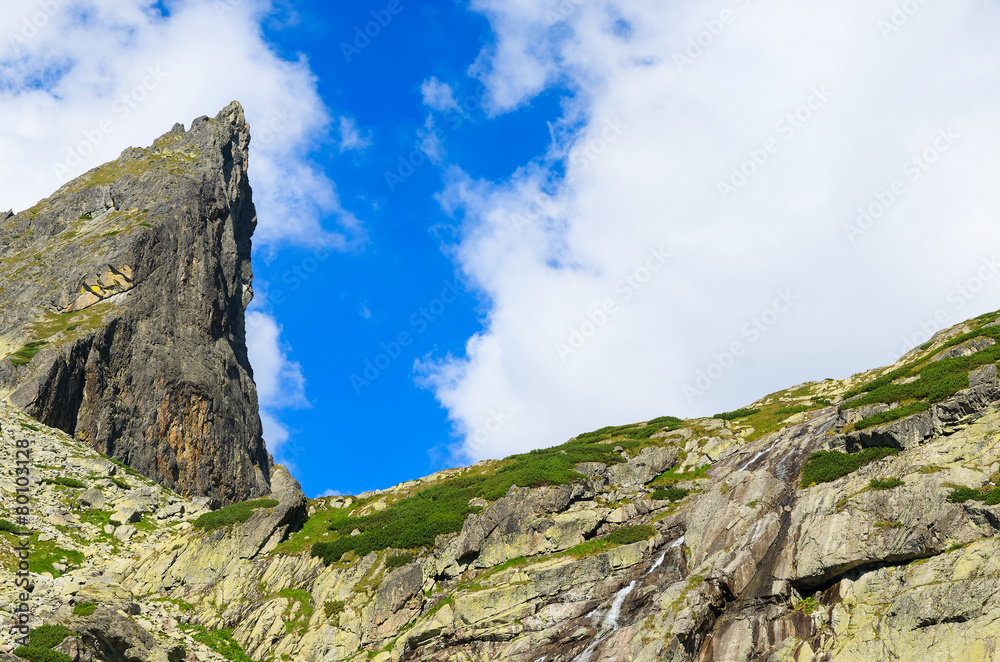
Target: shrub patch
[
  {"x": 826, "y": 466},
  {"x": 962, "y": 494},
  {"x": 232, "y": 514},
  {"x": 885, "y": 484},
  {"x": 669, "y": 494}
]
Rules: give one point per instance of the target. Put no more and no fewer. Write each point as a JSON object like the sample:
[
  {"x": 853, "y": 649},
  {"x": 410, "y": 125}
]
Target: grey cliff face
[{"x": 123, "y": 299}]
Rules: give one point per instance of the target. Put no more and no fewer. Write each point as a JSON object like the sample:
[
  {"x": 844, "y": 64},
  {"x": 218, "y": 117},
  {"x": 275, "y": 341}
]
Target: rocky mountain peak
[{"x": 123, "y": 298}]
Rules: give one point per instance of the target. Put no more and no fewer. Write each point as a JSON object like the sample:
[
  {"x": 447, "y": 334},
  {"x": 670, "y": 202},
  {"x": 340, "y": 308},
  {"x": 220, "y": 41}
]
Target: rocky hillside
[
  {"x": 122, "y": 300},
  {"x": 837, "y": 520}
]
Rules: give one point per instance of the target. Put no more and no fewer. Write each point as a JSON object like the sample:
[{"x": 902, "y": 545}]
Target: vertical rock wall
[{"x": 123, "y": 299}]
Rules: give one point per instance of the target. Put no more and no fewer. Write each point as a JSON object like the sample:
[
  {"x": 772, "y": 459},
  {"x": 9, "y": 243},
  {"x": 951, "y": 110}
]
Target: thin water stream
[{"x": 610, "y": 621}]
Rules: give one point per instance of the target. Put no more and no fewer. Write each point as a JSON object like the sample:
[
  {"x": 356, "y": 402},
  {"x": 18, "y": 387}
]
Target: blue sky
[
  {"x": 495, "y": 224},
  {"x": 350, "y": 313}
]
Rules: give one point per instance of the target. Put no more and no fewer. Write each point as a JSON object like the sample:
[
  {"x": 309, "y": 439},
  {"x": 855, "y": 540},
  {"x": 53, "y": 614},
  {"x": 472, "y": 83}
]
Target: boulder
[
  {"x": 127, "y": 516},
  {"x": 93, "y": 499},
  {"x": 644, "y": 467},
  {"x": 114, "y": 636},
  {"x": 265, "y": 529}
]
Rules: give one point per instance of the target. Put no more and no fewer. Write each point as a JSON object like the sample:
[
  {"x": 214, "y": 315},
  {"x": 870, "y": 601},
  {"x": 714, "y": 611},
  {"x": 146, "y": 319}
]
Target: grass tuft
[
  {"x": 962, "y": 494},
  {"x": 399, "y": 560},
  {"x": 333, "y": 608},
  {"x": 885, "y": 484},
  {"x": 65, "y": 482},
  {"x": 84, "y": 609},
  {"x": 36, "y": 654},
  {"x": 739, "y": 413},
  {"x": 48, "y": 636},
  {"x": 623, "y": 536},
  {"x": 892, "y": 415},
  {"x": 9, "y": 527},
  {"x": 30, "y": 350},
  {"x": 221, "y": 641}
]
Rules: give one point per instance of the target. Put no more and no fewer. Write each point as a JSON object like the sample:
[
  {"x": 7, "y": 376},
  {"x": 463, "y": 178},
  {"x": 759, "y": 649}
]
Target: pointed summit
[{"x": 122, "y": 303}]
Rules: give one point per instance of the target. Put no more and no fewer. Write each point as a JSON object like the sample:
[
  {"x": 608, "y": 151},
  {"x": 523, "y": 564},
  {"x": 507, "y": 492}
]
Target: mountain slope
[
  {"x": 123, "y": 299},
  {"x": 780, "y": 532}
]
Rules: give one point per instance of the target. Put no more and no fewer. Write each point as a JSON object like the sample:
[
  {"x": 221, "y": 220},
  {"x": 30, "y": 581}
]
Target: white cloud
[
  {"x": 350, "y": 136},
  {"x": 329, "y": 493},
  {"x": 84, "y": 80},
  {"x": 430, "y": 141},
  {"x": 280, "y": 383},
  {"x": 438, "y": 96},
  {"x": 831, "y": 105},
  {"x": 276, "y": 435}
]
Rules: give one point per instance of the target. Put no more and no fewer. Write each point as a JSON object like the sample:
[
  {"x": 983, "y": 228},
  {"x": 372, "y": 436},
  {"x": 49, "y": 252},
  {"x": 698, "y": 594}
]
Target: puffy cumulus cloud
[
  {"x": 84, "y": 80},
  {"x": 280, "y": 383},
  {"x": 739, "y": 197}
]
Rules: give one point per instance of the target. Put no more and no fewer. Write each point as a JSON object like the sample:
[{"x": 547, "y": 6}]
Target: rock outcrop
[{"x": 123, "y": 299}]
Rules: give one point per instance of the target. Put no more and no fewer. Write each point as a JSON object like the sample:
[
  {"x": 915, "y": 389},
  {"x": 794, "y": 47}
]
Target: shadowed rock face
[{"x": 131, "y": 284}]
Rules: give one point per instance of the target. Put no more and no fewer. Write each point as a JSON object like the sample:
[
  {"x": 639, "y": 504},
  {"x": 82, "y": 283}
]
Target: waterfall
[
  {"x": 610, "y": 622},
  {"x": 757, "y": 456}
]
